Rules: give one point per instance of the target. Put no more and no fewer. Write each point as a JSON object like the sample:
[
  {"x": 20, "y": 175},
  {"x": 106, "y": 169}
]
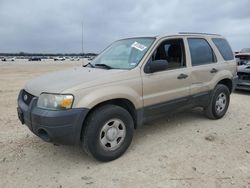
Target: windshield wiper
[
  {"x": 91, "y": 65},
  {"x": 103, "y": 65}
]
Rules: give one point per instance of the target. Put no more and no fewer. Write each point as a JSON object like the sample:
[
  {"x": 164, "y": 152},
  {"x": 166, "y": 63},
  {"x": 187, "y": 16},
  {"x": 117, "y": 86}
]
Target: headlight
[{"x": 55, "y": 101}]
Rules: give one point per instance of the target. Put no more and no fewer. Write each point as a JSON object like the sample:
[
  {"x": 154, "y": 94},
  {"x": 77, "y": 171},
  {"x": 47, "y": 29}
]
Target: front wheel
[
  {"x": 108, "y": 132},
  {"x": 219, "y": 102}
]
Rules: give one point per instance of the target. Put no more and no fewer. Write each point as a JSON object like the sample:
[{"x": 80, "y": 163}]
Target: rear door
[{"x": 204, "y": 65}]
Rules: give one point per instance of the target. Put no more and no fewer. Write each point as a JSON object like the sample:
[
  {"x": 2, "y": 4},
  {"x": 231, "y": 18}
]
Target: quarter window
[
  {"x": 224, "y": 48},
  {"x": 201, "y": 52}
]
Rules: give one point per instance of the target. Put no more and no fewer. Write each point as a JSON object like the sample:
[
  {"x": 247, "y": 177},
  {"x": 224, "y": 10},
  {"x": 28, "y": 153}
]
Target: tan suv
[{"x": 132, "y": 81}]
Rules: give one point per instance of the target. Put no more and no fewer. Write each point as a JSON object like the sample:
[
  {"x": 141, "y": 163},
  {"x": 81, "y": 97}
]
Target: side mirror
[{"x": 155, "y": 66}]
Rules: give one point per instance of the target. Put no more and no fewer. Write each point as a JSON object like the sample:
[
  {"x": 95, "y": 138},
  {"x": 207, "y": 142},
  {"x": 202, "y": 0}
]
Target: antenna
[{"x": 82, "y": 44}]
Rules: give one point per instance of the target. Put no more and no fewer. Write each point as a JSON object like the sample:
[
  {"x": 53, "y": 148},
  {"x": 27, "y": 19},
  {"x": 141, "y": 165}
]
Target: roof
[
  {"x": 194, "y": 33},
  {"x": 176, "y": 35},
  {"x": 189, "y": 34}
]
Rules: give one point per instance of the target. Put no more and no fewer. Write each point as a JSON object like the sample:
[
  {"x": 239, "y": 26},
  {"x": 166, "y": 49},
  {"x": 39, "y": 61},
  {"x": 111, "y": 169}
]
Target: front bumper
[
  {"x": 57, "y": 126},
  {"x": 235, "y": 81},
  {"x": 243, "y": 84}
]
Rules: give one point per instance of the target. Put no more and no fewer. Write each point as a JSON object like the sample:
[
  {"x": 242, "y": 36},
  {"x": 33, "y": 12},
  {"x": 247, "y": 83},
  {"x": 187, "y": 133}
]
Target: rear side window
[
  {"x": 201, "y": 52},
  {"x": 224, "y": 48}
]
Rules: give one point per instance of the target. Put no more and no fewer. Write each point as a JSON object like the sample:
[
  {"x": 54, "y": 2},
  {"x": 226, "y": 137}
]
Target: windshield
[
  {"x": 123, "y": 54},
  {"x": 245, "y": 50}
]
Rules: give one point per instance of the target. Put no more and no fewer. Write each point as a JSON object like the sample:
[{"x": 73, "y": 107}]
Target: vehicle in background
[
  {"x": 59, "y": 58},
  {"x": 8, "y": 59},
  {"x": 243, "y": 70},
  {"x": 91, "y": 58},
  {"x": 74, "y": 59},
  {"x": 35, "y": 59},
  {"x": 245, "y": 50},
  {"x": 243, "y": 55}
]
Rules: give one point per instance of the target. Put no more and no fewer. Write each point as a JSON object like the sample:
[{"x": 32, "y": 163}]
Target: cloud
[{"x": 55, "y": 26}]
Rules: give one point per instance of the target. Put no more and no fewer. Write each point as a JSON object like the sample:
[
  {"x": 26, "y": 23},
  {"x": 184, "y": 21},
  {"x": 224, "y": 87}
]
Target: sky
[{"x": 55, "y": 26}]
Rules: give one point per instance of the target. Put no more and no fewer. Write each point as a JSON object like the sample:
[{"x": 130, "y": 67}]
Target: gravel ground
[{"x": 186, "y": 150}]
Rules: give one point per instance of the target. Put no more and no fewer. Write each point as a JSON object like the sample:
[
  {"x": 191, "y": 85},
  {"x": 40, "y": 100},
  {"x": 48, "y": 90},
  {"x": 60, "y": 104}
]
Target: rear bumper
[{"x": 57, "y": 126}]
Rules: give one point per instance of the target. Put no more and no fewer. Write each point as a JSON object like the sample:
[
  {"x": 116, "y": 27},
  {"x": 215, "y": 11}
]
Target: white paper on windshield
[{"x": 138, "y": 46}]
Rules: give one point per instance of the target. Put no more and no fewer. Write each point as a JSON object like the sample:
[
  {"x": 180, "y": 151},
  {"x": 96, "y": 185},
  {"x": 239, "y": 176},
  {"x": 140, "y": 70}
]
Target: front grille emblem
[{"x": 25, "y": 97}]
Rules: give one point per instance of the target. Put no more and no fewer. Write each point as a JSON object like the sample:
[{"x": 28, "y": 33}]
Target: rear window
[
  {"x": 224, "y": 48},
  {"x": 201, "y": 52}
]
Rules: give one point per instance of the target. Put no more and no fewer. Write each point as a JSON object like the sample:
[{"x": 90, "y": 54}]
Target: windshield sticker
[
  {"x": 132, "y": 64},
  {"x": 138, "y": 46}
]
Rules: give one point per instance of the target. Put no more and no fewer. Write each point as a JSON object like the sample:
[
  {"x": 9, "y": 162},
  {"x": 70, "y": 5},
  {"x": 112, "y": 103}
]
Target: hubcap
[
  {"x": 221, "y": 102},
  {"x": 112, "y": 134}
]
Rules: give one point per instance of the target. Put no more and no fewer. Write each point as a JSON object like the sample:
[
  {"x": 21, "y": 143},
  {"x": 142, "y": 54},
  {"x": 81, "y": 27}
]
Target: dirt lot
[{"x": 186, "y": 150}]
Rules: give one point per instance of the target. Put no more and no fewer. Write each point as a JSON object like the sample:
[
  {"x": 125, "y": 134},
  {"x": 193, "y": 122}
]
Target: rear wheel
[
  {"x": 108, "y": 132},
  {"x": 219, "y": 102}
]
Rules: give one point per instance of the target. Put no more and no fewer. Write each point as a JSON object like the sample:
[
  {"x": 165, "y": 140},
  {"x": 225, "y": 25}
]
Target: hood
[{"x": 57, "y": 82}]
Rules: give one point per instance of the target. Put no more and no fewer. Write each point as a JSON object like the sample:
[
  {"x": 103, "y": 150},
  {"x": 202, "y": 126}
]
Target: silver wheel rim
[
  {"x": 221, "y": 102},
  {"x": 112, "y": 134}
]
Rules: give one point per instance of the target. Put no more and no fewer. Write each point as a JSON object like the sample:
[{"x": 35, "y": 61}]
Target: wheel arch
[
  {"x": 122, "y": 102},
  {"x": 227, "y": 82}
]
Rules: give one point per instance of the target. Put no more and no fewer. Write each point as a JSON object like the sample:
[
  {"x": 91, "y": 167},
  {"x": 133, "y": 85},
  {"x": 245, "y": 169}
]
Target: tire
[
  {"x": 219, "y": 102},
  {"x": 108, "y": 132}
]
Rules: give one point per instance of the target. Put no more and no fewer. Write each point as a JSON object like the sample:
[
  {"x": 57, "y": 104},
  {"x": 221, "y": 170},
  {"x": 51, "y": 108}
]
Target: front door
[{"x": 169, "y": 88}]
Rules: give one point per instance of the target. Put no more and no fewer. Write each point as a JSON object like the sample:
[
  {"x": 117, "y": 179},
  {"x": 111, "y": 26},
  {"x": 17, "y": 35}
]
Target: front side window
[
  {"x": 224, "y": 48},
  {"x": 123, "y": 54},
  {"x": 173, "y": 51},
  {"x": 201, "y": 52}
]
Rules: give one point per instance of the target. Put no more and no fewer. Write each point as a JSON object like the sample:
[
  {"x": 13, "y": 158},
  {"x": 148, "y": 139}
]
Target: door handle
[
  {"x": 182, "y": 76},
  {"x": 213, "y": 70}
]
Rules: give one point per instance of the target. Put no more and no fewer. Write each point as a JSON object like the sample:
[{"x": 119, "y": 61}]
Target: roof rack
[{"x": 198, "y": 33}]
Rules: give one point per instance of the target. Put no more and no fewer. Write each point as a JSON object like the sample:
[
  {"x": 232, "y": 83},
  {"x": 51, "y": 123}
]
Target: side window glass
[
  {"x": 224, "y": 48},
  {"x": 173, "y": 51},
  {"x": 201, "y": 52}
]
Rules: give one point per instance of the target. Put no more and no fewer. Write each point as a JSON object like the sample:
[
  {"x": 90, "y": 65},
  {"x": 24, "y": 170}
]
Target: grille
[
  {"x": 243, "y": 76},
  {"x": 27, "y": 97}
]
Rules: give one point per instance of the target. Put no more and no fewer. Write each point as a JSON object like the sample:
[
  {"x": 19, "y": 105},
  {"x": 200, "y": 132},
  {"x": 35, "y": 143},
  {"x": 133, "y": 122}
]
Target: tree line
[{"x": 47, "y": 54}]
